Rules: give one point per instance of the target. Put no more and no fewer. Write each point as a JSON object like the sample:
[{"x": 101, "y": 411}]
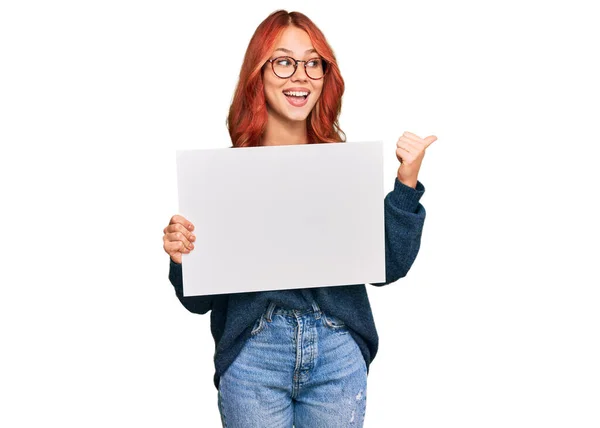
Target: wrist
[{"x": 408, "y": 181}]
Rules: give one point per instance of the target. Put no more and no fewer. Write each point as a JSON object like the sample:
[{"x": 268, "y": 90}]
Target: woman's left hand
[{"x": 410, "y": 150}]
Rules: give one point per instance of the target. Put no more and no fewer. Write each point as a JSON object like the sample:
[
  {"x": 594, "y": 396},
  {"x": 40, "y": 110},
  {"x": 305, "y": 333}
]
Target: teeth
[{"x": 296, "y": 93}]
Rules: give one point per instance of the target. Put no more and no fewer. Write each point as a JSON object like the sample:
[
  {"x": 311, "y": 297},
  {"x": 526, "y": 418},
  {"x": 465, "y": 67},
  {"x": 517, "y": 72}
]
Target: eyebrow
[{"x": 289, "y": 52}]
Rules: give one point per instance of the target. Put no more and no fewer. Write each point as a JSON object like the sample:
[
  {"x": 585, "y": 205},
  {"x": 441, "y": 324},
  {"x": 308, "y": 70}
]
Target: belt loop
[
  {"x": 317, "y": 310},
  {"x": 269, "y": 313}
]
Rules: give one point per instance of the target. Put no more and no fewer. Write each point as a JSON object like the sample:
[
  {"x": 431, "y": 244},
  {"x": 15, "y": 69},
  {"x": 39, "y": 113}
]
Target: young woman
[{"x": 298, "y": 357}]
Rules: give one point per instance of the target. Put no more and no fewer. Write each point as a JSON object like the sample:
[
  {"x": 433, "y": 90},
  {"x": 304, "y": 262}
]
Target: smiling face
[{"x": 291, "y": 99}]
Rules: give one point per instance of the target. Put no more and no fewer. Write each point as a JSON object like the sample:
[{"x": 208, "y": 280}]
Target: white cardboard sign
[{"x": 282, "y": 217}]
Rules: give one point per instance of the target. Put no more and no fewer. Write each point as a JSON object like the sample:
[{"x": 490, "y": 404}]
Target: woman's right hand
[{"x": 178, "y": 238}]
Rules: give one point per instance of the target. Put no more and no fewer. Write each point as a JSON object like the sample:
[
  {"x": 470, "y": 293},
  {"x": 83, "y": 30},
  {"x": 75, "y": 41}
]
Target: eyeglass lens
[{"x": 284, "y": 67}]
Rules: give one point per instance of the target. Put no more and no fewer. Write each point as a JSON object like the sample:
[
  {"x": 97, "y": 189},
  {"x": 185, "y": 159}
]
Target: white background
[{"x": 496, "y": 325}]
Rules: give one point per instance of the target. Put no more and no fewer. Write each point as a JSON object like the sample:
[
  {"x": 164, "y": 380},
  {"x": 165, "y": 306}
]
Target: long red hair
[{"x": 247, "y": 118}]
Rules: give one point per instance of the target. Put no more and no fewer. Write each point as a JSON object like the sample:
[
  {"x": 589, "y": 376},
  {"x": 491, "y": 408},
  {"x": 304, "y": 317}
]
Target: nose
[{"x": 300, "y": 74}]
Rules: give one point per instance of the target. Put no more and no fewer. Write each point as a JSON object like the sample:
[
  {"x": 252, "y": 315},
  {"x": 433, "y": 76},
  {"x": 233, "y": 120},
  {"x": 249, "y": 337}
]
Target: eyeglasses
[{"x": 284, "y": 67}]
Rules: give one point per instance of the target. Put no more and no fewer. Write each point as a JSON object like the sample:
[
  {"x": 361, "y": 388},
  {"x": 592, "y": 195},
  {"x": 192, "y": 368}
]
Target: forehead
[{"x": 295, "y": 40}]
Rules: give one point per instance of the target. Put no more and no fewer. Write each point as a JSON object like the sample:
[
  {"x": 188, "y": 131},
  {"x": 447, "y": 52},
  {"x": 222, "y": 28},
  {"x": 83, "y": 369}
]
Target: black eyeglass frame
[{"x": 296, "y": 61}]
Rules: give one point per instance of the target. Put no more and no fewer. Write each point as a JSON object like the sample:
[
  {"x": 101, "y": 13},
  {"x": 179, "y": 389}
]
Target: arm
[
  {"x": 404, "y": 218},
  {"x": 195, "y": 304},
  {"x": 178, "y": 240}
]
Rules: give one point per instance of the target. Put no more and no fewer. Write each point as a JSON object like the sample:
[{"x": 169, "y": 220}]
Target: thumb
[{"x": 429, "y": 140}]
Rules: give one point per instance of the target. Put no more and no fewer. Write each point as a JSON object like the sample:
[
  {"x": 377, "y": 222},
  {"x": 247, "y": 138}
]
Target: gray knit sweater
[{"x": 233, "y": 315}]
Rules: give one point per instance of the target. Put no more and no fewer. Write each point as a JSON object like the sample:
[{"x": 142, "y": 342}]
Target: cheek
[
  {"x": 319, "y": 93},
  {"x": 270, "y": 89}
]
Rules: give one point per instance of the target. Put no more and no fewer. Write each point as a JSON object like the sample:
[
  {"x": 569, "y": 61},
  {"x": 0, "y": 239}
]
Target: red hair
[{"x": 247, "y": 118}]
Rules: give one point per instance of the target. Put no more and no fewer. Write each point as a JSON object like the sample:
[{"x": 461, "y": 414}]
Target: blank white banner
[{"x": 282, "y": 217}]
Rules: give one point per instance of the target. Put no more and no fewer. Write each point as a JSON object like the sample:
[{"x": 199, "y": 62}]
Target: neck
[{"x": 284, "y": 133}]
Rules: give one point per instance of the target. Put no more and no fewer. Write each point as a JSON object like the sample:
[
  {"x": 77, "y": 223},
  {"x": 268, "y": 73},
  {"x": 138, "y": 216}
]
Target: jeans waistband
[{"x": 273, "y": 309}]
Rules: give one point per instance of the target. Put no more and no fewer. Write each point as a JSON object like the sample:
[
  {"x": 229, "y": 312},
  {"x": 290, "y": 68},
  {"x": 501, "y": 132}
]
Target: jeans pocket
[
  {"x": 258, "y": 326},
  {"x": 333, "y": 323}
]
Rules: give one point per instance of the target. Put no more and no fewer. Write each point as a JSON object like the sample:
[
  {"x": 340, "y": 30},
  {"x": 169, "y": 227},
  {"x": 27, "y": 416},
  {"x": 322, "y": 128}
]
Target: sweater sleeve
[
  {"x": 404, "y": 218},
  {"x": 195, "y": 304}
]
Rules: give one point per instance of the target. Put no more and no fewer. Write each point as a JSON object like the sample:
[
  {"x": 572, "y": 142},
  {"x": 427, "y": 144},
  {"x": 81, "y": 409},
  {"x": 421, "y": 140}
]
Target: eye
[
  {"x": 283, "y": 62},
  {"x": 314, "y": 63}
]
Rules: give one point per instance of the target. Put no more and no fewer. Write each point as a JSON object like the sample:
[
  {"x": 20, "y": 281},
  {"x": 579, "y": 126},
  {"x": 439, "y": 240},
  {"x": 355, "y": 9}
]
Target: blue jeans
[{"x": 298, "y": 368}]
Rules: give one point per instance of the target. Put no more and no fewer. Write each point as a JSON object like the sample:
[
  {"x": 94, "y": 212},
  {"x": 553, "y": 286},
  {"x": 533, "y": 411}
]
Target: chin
[{"x": 298, "y": 116}]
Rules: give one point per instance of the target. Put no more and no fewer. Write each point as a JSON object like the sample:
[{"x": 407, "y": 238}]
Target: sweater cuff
[
  {"x": 175, "y": 275},
  {"x": 405, "y": 197}
]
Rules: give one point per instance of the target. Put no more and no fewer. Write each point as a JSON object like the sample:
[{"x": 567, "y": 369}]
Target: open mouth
[
  {"x": 297, "y": 98},
  {"x": 301, "y": 95}
]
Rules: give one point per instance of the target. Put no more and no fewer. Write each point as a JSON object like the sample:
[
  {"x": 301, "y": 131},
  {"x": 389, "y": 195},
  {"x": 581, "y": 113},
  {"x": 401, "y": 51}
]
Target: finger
[
  {"x": 175, "y": 247},
  {"x": 179, "y": 237},
  {"x": 178, "y": 219},
  {"x": 409, "y": 145},
  {"x": 425, "y": 141},
  {"x": 177, "y": 227},
  {"x": 405, "y": 153},
  {"x": 412, "y": 136},
  {"x": 429, "y": 140}
]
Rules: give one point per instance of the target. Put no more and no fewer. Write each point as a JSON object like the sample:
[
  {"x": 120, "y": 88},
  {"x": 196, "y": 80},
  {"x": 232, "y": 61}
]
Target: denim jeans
[{"x": 299, "y": 368}]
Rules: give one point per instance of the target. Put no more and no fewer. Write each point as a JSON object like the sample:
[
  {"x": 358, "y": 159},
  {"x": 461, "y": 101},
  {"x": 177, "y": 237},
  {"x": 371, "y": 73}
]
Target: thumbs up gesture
[{"x": 410, "y": 150}]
